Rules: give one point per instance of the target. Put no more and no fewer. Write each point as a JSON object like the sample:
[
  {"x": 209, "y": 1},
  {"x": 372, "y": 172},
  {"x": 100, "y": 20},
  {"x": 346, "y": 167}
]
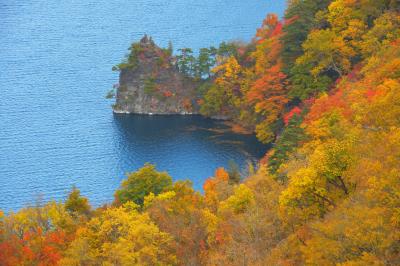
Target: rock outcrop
[{"x": 150, "y": 83}]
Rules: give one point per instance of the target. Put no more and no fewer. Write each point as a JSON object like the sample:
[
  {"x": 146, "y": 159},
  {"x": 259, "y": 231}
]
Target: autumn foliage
[{"x": 323, "y": 87}]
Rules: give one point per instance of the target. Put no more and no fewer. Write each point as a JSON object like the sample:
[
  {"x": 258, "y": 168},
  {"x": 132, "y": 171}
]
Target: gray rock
[{"x": 154, "y": 85}]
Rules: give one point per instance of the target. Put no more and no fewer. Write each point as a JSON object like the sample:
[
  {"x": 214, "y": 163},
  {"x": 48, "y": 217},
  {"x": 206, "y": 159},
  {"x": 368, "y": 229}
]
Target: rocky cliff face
[{"x": 150, "y": 83}]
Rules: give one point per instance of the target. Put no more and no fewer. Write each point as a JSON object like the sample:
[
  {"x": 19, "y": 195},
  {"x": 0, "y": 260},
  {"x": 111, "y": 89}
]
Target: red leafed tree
[
  {"x": 9, "y": 251},
  {"x": 327, "y": 103},
  {"x": 268, "y": 26},
  {"x": 35, "y": 248},
  {"x": 295, "y": 111},
  {"x": 268, "y": 92}
]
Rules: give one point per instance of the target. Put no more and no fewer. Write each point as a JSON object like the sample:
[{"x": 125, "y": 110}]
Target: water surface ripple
[{"x": 56, "y": 128}]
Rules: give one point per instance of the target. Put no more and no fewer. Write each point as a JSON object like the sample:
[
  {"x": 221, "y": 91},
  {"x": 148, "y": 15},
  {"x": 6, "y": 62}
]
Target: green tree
[
  {"x": 186, "y": 61},
  {"x": 285, "y": 144},
  {"x": 304, "y": 85},
  {"x": 326, "y": 51},
  {"x": 227, "y": 49},
  {"x": 141, "y": 183},
  {"x": 300, "y": 16},
  {"x": 205, "y": 62},
  {"x": 76, "y": 204},
  {"x": 170, "y": 49}
]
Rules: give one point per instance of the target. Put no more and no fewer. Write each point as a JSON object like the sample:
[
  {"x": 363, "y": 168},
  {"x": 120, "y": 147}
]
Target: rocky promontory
[{"x": 150, "y": 83}]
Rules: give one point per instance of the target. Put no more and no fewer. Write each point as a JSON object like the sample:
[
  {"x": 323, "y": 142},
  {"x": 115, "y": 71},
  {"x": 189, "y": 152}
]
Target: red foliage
[
  {"x": 277, "y": 30},
  {"x": 371, "y": 94},
  {"x": 203, "y": 245},
  {"x": 355, "y": 72},
  {"x": 265, "y": 159},
  {"x": 326, "y": 104},
  {"x": 395, "y": 42},
  {"x": 310, "y": 101},
  {"x": 9, "y": 252},
  {"x": 268, "y": 92},
  {"x": 268, "y": 26},
  {"x": 219, "y": 237},
  {"x": 36, "y": 247},
  {"x": 167, "y": 93},
  {"x": 295, "y": 111}
]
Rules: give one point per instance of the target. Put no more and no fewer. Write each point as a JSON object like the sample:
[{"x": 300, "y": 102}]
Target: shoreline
[
  {"x": 220, "y": 118},
  {"x": 236, "y": 128}
]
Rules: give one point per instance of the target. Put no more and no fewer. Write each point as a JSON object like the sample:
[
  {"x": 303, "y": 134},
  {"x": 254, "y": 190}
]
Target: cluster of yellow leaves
[
  {"x": 349, "y": 35},
  {"x": 120, "y": 236}
]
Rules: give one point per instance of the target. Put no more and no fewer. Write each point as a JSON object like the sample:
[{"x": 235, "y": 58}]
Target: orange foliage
[
  {"x": 268, "y": 26},
  {"x": 200, "y": 101},
  {"x": 167, "y": 93},
  {"x": 187, "y": 104},
  {"x": 221, "y": 174},
  {"x": 8, "y": 252},
  {"x": 327, "y": 103},
  {"x": 371, "y": 94},
  {"x": 214, "y": 187},
  {"x": 44, "y": 248},
  {"x": 268, "y": 93}
]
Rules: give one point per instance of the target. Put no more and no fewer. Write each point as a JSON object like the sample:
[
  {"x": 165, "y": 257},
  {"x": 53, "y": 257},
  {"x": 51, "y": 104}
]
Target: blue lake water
[{"x": 56, "y": 127}]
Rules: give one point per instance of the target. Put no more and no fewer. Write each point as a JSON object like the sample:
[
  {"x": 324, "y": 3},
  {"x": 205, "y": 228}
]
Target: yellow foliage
[
  {"x": 121, "y": 236},
  {"x": 148, "y": 200},
  {"x": 326, "y": 50},
  {"x": 241, "y": 199},
  {"x": 385, "y": 31},
  {"x": 230, "y": 72}
]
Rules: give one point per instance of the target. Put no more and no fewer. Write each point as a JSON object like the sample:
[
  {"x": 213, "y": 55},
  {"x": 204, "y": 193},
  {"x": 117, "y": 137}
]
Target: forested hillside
[{"x": 323, "y": 85}]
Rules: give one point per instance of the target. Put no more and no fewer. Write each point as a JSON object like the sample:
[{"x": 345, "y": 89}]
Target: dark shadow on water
[
  {"x": 186, "y": 146},
  {"x": 158, "y": 128}
]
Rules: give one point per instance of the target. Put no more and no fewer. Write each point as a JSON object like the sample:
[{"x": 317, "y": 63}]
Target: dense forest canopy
[{"x": 323, "y": 85}]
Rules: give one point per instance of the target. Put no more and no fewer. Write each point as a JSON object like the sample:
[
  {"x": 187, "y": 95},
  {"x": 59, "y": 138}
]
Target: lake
[{"x": 57, "y": 128}]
